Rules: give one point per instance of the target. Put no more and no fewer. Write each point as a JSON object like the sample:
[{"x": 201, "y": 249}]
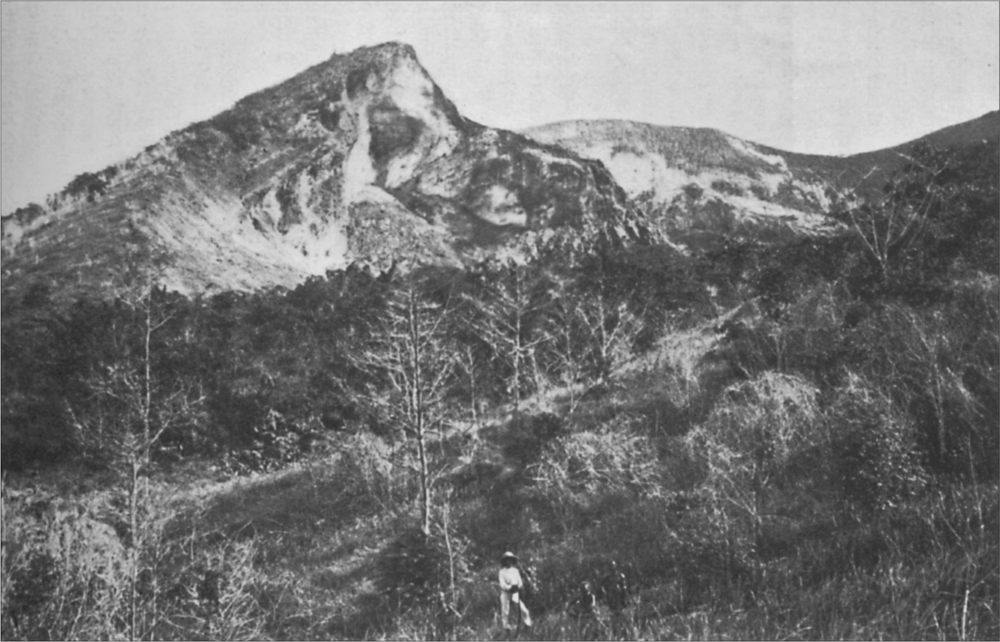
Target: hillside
[
  {"x": 696, "y": 182},
  {"x": 360, "y": 159},
  {"x": 770, "y": 441},
  {"x": 307, "y": 527},
  {"x": 868, "y": 171}
]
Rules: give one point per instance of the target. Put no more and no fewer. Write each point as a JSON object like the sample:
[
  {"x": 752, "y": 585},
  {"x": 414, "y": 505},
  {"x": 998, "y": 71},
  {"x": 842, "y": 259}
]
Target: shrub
[
  {"x": 68, "y": 574},
  {"x": 241, "y": 126},
  {"x": 752, "y": 434},
  {"x": 693, "y": 191},
  {"x": 580, "y": 471},
  {"x": 528, "y": 435},
  {"x": 276, "y": 443},
  {"x": 874, "y": 448},
  {"x": 416, "y": 567},
  {"x": 63, "y": 571},
  {"x": 367, "y": 469},
  {"x": 939, "y": 365},
  {"x": 745, "y": 451},
  {"x": 90, "y": 184}
]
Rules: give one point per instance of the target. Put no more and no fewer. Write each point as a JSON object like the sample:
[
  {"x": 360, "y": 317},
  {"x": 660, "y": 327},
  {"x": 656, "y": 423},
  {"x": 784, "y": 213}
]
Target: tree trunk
[
  {"x": 517, "y": 364},
  {"x": 425, "y": 491},
  {"x": 133, "y": 510},
  {"x": 419, "y": 412}
]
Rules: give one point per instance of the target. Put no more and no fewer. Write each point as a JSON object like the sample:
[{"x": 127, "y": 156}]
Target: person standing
[{"x": 510, "y": 591}]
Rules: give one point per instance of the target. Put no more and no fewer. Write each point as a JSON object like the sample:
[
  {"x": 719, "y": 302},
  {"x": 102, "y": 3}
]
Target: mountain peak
[
  {"x": 382, "y": 57},
  {"x": 360, "y": 159},
  {"x": 388, "y": 49}
]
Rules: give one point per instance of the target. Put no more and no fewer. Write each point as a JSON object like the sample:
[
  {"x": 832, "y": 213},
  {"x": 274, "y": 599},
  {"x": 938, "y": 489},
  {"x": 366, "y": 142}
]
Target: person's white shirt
[{"x": 509, "y": 578}]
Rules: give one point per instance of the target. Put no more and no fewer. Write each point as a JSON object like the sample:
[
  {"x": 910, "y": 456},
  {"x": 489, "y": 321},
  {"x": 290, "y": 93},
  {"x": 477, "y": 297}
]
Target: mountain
[
  {"x": 696, "y": 182},
  {"x": 360, "y": 159}
]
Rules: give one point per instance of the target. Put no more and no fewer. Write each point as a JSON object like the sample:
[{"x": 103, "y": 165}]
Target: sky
[{"x": 88, "y": 84}]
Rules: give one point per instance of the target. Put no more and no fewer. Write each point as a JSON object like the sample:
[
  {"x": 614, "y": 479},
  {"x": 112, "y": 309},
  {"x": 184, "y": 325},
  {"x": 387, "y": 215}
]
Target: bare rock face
[
  {"x": 694, "y": 181},
  {"x": 360, "y": 159}
]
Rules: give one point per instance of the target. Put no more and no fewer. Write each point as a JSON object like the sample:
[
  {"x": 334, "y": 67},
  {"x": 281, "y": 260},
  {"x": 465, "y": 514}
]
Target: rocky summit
[{"x": 360, "y": 159}]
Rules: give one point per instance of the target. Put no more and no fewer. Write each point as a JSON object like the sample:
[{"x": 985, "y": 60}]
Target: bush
[
  {"x": 754, "y": 432},
  {"x": 874, "y": 448},
  {"x": 416, "y": 567},
  {"x": 90, "y": 184},
  {"x": 940, "y": 365},
  {"x": 277, "y": 442},
  {"x": 367, "y": 468},
  {"x": 68, "y": 574},
  {"x": 527, "y": 436},
  {"x": 241, "y": 126},
  {"x": 582, "y": 470},
  {"x": 63, "y": 571}
]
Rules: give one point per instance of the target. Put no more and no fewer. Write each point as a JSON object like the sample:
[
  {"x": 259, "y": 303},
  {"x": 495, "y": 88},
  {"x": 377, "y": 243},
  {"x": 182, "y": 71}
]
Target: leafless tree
[
  {"x": 887, "y": 226},
  {"x": 610, "y": 329},
  {"x": 131, "y": 405},
  {"x": 505, "y": 318},
  {"x": 409, "y": 353}
]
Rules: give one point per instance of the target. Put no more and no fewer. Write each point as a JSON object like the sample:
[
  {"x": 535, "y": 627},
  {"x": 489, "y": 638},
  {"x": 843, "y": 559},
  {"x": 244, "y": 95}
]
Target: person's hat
[{"x": 508, "y": 556}]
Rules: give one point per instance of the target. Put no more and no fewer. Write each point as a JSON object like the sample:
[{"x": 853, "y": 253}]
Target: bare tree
[
  {"x": 131, "y": 406},
  {"x": 565, "y": 348},
  {"x": 590, "y": 327},
  {"x": 611, "y": 328},
  {"x": 888, "y": 226},
  {"x": 506, "y": 319},
  {"x": 409, "y": 353},
  {"x": 467, "y": 361}
]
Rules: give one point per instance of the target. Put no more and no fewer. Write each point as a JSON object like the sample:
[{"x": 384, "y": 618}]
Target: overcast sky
[{"x": 89, "y": 84}]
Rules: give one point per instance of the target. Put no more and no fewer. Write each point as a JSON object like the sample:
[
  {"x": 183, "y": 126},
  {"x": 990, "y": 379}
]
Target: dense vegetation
[{"x": 794, "y": 440}]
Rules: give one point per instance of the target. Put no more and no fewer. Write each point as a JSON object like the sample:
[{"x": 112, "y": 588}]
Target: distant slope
[
  {"x": 358, "y": 159},
  {"x": 702, "y": 181},
  {"x": 869, "y": 170}
]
